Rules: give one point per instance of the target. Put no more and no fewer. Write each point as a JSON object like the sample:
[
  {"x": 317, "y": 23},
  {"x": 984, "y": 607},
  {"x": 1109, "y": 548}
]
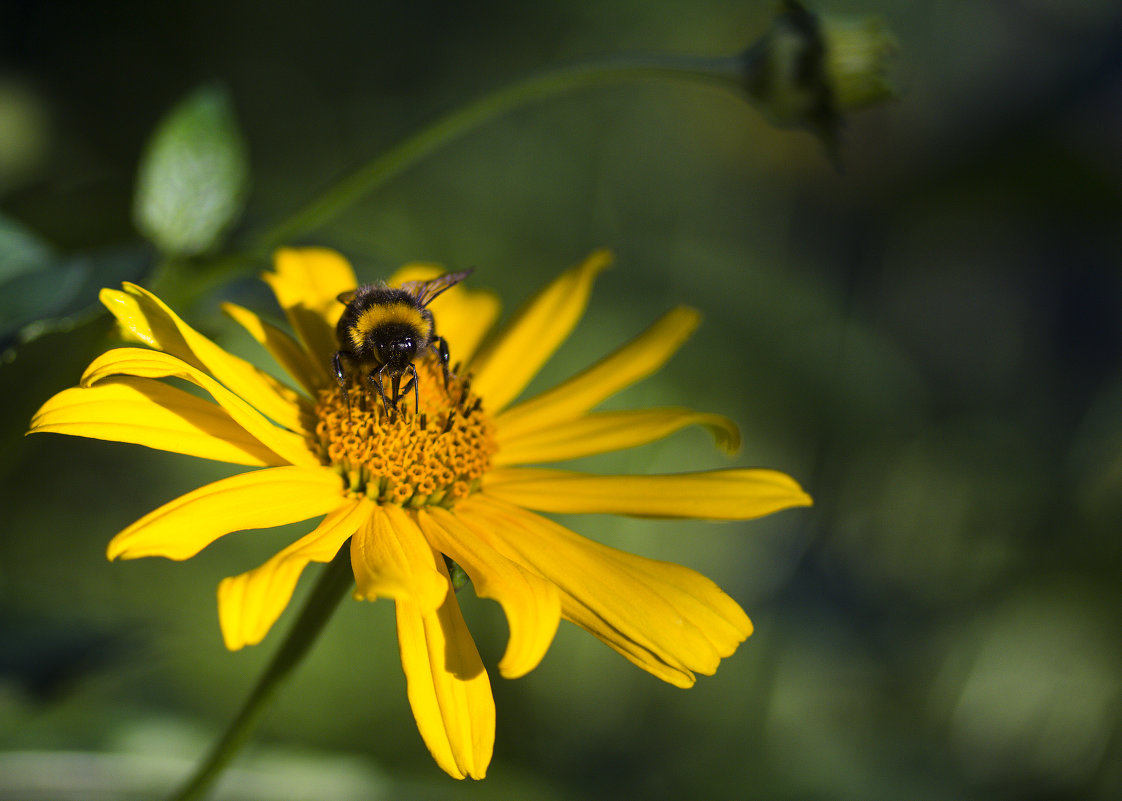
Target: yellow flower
[{"x": 446, "y": 480}]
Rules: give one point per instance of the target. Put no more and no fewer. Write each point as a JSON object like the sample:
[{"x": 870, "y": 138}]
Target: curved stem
[
  {"x": 334, "y": 583},
  {"x": 726, "y": 71}
]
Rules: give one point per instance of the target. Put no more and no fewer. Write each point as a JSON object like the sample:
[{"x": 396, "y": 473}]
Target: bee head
[{"x": 395, "y": 344}]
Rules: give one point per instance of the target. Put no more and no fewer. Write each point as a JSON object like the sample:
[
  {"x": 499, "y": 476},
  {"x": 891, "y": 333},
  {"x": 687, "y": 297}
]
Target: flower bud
[{"x": 808, "y": 70}]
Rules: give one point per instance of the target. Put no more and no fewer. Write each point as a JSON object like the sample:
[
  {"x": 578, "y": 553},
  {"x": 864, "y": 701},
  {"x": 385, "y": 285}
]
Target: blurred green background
[{"x": 929, "y": 341}]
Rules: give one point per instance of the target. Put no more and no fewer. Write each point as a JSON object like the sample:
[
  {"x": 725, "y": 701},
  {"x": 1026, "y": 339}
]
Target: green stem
[
  {"x": 334, "y": 583},
  {"x": 724, "y": 71}
]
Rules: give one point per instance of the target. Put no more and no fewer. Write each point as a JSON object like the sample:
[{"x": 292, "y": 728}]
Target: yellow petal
[
  {"x": 531, "y": 604},
  {"x": 249, "y": 604},
  {"x": 666, "y": 618},
  {"x": 503, "y": 369},
  {"x": 600, "y": 432},
  {"x": 147, "y": 412},
  {"x": 634, "y": 361},
  {"x": 273, "y": 496},
  {"x": 707, "y": 495},
  {"x": 448, "y": 688},
  {"x": 150, "y": 320},
  {"x": 307, "y": 282},
  {"x": 392, "y": 559},
  {"x": 465, "y": 323},
  {"x": 309, "y": 373},
  {"x": 417, "y": 271},
  {"x": 462, "y": 315},
  {"x": 153, "y": 364}
]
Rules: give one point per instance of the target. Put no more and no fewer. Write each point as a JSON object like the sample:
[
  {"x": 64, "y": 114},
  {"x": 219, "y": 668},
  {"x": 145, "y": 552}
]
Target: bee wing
[
  {"x": 346, "y": 297},
  {"x": 426, "y": 291}
]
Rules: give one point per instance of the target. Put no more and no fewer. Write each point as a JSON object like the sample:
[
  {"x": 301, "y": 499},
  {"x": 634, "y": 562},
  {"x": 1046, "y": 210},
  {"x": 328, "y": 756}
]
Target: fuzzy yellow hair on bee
[{"x": 405, "y": 314}]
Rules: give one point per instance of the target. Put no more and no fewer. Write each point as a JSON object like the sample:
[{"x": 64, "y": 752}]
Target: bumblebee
[{"x": 384, "y": 330}]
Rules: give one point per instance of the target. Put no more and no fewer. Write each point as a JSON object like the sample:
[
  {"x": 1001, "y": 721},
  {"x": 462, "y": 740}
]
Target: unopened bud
[{"x": 808, "y": 70}]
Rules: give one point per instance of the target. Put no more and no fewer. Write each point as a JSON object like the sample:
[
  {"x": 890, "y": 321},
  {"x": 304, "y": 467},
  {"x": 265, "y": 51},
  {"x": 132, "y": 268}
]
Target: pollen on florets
[{"x": 434, "y": 455}]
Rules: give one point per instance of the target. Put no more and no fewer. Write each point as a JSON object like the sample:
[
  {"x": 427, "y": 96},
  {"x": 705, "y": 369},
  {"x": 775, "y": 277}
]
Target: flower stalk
[
  {"x": 383, "y": 167},
  {"x": 415, "y": 148},
  {"x": 334, "y": 583}
]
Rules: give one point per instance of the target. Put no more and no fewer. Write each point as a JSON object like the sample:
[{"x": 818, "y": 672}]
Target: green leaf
[
  {"x": 58, "y": 293},
  {"x": 21, "y": 251},
  {"x": 193, "y": 177}
]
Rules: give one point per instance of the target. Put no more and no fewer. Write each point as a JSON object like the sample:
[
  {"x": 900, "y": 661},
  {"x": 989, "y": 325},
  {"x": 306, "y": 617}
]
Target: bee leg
[
  {"x": 408, "y": 385},
  {"x": 395, "y": 383},
  {"x": 416, "y": 392},
  {"x": 441, "y": 348},
  {"x": 341, "y": 377},
  {"x": 376, "y": 380}
]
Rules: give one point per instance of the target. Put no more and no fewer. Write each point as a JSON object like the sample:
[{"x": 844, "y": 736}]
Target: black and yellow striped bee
[{"x": 385, "y": 329}]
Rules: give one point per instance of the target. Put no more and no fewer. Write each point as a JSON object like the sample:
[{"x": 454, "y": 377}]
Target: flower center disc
[{"x": 431, "y": 456}]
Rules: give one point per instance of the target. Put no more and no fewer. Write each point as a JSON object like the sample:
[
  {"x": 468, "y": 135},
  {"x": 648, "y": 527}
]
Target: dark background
[{"x": 928, "y": 341}]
